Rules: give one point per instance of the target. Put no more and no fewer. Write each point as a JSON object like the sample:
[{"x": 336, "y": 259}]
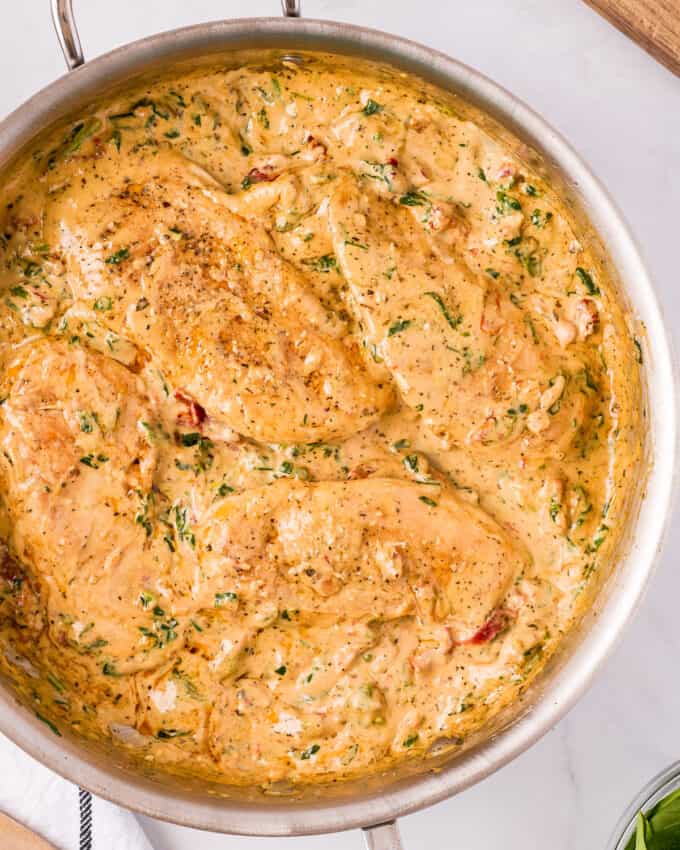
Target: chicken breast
[
  {"x": 79, "y": 480},
  {"x": 460, "y": 350},
  {"x": 152, "y": 248},
  {"x": 376, "y": 547},
  {"x": 346, "y": 563}
]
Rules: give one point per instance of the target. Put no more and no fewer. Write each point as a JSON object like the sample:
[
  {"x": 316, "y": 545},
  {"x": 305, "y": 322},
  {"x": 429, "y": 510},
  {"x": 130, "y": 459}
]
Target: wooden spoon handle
[
  {"x": 653, "y": 24},
  {"x": 14, "y": 836}
]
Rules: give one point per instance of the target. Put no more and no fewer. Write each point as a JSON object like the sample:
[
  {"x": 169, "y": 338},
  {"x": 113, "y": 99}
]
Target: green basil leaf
[
  {"x": 660, "y": 828},
  {"x": 669, "y": 839},
  {"x": 666, "y": 813},
  {"x": 641, "y": 832}
]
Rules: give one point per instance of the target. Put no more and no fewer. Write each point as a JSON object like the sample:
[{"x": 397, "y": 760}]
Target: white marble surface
[{"x": 622, "y": 112}]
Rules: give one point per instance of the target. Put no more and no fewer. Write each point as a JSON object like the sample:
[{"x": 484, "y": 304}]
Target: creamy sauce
[{"x": 318, "y": 415}]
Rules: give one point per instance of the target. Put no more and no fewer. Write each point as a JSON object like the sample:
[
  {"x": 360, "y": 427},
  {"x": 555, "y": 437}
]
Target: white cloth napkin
[{"x": 60, "y": 812}]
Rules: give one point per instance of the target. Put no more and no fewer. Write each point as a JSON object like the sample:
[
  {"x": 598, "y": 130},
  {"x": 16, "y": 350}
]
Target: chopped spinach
[
  {"x": 454, "y": 321},
  {"x": 371, "y": 107},
  {"x": 117, "y": 258},
  {"x": 587, "y": 281},
  {"x": 399, "y": 326}
]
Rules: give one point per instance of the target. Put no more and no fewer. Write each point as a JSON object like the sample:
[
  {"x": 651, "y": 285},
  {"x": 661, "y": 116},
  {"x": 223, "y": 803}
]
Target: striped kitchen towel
[{"x": 63, "y": 814}]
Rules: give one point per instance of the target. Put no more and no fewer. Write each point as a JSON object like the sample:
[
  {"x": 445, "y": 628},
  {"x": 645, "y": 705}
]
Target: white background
[{"x": 622, "y": 112}]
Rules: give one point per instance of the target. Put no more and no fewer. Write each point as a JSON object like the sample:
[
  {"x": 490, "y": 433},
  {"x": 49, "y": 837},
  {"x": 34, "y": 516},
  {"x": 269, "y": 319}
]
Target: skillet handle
[
  {"x": 69, "y": 40},
  {"x": 67, "y": 33},
  {"x": 383, "y": 836}
]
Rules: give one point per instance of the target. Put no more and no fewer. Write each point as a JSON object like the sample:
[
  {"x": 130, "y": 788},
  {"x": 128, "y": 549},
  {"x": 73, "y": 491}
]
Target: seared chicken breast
[{"x": 153, "y": 250}]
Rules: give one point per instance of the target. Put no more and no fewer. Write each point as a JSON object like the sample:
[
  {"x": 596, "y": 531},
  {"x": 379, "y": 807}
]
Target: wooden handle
[
  {"x": 653, "y": 24},
  {"x": 14, "y": 836}
]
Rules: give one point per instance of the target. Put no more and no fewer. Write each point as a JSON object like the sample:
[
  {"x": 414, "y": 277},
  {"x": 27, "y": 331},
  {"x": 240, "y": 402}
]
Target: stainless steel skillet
[{"x": 377, "y": 800}]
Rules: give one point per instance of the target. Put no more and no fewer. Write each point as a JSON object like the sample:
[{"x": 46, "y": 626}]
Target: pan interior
[{"x": 451, "y": 765}]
